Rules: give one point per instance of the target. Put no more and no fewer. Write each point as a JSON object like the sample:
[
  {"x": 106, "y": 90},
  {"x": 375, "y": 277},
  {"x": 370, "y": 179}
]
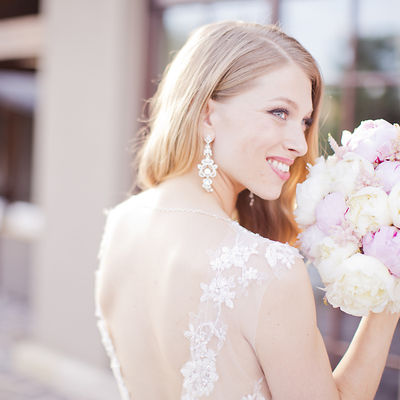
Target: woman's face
[{"x": 259, "y": 133}]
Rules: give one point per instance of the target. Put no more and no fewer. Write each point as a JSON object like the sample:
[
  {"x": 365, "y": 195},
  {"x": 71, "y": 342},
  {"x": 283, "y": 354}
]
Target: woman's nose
[{"x": 296, "y": 142}]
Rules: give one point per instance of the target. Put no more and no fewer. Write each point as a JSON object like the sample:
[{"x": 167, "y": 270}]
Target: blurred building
[
  {"x": 72, "y": 81},
  {"x": 73, "y": 77}
]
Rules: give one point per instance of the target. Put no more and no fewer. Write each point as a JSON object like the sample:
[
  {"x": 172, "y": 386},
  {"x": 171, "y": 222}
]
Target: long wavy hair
[{"x": 218, "y": 61}]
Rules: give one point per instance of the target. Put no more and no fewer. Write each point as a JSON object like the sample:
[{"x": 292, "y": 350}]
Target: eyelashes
[
  {"x": 308, "y": 122},
  {"x": 282, "y": 113}
]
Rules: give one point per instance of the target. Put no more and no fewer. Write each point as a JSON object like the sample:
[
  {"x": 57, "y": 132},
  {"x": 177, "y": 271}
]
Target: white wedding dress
[{"x": 220, "y": 334}]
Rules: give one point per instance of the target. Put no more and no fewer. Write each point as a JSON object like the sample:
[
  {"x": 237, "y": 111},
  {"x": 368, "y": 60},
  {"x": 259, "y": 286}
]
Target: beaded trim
[{"x": 191, "y": 210}]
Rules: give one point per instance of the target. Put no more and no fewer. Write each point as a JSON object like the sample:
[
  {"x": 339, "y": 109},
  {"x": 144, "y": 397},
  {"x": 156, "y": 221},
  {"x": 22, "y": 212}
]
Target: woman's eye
[
  {"x": 307, "y": 122},
  {"x": 280, "y": 113}
]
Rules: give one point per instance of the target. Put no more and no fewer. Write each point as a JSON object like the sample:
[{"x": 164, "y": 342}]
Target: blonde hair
[{"x": 218, "y": 61}]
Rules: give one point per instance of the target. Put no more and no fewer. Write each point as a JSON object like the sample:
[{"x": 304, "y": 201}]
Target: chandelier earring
[{"x": 207, "y": 168}]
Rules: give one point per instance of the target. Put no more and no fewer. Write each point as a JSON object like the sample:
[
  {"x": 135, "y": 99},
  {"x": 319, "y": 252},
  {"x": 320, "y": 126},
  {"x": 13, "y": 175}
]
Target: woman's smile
[{"x": 280, "y": 168}]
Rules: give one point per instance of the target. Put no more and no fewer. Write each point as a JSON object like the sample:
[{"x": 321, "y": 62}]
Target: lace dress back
[{"x": 219, "y": 339}]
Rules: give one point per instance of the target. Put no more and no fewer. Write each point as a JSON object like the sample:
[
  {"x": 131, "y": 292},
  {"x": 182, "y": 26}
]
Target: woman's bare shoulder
[
  {"x": 288, "y": 341},
  {"x": 132, "y": 207},
  {"x": 280, "y": 257},
  {"x": 127, "y": 206}
]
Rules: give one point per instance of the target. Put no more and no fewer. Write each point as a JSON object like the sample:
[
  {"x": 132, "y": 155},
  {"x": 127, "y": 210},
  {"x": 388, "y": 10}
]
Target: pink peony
[
  {"x": 385, "y": 246},
  {"x": 373, "y": 140},
  {"x": 389, "y": 174},
  {"x": 330, "y": 211}
]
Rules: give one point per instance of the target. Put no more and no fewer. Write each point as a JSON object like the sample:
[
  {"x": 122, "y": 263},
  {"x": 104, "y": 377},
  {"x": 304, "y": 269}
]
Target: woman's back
[{"x": 180, "y": 292}]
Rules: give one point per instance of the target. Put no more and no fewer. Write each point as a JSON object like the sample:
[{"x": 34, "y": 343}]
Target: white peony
[
  {"x": 361, "y": 284},
  {"x": 346, "y": 137},
  {"x": 310, "y": 238},
  {"x": 329, "y": 255},
  {"x": 368, "y": 210},
  {"x": 331, "y": 161},
  {"x": 346, "y": 173},
  {"x": 394, "y": 306},
  {"x": 311, "y": 192},
  {"x": 394, "y": 204}
]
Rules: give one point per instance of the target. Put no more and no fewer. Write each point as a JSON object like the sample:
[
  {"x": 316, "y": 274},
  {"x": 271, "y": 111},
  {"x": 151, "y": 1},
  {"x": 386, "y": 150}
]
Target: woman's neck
[{"x": 187, "y": 191}]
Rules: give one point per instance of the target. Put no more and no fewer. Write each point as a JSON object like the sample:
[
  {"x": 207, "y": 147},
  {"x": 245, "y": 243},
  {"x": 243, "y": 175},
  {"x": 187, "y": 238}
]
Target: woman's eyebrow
[{"x": 286, "y": 100}]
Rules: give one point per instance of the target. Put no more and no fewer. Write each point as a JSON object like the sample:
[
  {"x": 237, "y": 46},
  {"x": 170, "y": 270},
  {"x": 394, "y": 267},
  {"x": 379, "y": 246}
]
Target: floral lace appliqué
[
  {"x": 281, "y": 255},
  {"x": 200, "y": 372},
  {"x": 256, "y": 394}
]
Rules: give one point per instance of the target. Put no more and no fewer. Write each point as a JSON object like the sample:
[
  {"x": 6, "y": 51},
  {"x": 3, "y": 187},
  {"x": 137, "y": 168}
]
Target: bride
[{"x": 191, "y": 303}]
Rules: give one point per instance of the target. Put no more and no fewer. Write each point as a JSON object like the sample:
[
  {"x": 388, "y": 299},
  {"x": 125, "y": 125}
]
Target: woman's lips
[{"x": 280, "y": 166}]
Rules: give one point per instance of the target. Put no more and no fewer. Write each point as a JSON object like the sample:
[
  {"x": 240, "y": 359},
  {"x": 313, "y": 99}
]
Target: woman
[{"x": 191, "y": 304}]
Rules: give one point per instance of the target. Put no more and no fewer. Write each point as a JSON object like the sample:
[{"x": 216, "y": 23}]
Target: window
[{"x": 356, "y": 43}]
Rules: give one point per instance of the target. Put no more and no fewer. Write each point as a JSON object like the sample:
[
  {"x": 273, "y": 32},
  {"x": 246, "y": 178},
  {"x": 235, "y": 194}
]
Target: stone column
[{"x": 91, "y": 80}]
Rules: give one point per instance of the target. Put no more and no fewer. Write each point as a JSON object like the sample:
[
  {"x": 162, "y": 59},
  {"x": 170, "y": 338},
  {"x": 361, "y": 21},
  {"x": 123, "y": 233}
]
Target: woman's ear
[{"x": 208, "y": 114}]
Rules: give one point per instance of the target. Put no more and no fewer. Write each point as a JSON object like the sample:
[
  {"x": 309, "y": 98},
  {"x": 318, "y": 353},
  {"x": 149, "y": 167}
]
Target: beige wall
[{"x": 91, "y": 86}]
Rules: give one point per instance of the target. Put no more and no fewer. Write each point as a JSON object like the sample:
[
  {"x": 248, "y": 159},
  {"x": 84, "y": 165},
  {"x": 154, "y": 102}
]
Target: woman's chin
[{"x": 270, "y": 195}]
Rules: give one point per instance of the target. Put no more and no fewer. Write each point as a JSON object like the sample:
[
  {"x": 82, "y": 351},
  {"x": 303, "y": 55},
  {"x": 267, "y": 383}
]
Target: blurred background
[{"x": 74, "y": 75}]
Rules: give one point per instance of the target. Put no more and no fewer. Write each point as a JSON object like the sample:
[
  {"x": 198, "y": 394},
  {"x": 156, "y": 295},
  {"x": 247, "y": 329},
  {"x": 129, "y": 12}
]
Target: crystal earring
[
  {"x": 207, "y": 168},
  {"x": 251, "y": 197}
]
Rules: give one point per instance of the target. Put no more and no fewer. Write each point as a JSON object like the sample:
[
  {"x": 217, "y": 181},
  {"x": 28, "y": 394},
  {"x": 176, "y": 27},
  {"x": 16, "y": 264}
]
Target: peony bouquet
[{"x": 349, "y": 208}]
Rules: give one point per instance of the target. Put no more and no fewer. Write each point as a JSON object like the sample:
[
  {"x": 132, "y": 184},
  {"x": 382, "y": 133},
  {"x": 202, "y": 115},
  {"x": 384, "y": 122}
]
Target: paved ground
[{"x": 15, "y": 323}]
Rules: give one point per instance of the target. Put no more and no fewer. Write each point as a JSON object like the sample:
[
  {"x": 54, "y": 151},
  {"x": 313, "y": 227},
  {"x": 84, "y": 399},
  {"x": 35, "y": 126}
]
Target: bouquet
[{"x": 349, "y": 210}]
